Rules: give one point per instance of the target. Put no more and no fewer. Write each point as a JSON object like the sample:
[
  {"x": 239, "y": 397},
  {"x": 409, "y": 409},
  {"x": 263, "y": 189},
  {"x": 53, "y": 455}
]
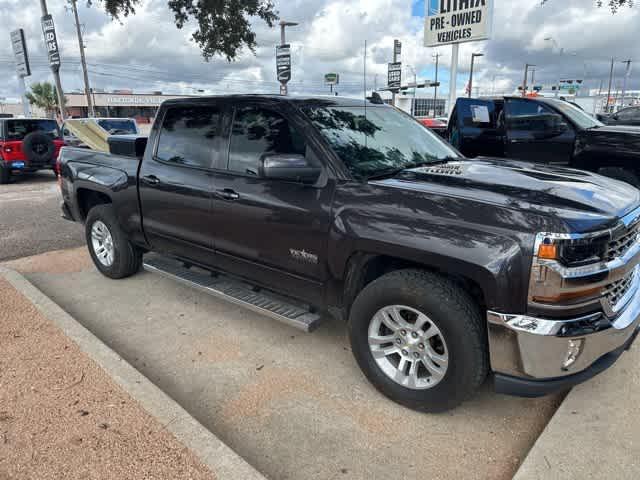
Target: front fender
[{"x": 495, "y": 259}]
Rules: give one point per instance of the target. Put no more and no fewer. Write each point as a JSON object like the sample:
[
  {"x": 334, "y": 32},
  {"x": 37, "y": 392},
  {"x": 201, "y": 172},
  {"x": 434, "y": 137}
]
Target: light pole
[
  {"x": 610, "y": 82},
  {"x": 624, "y": 84},
  {"x": 435, "y": 88},
  {"x": 554, "y": 43},
  {"x": 526, "y": 76},
  {"x": 415, "y": 87},
  {"x": 473, "y": 57},
  {"x": 283, "y": 25}
]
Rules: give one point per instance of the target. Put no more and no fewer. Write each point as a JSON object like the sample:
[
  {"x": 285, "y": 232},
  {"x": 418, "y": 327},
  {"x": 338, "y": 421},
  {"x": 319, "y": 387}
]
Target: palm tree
[{"x": 43, "y": 95}]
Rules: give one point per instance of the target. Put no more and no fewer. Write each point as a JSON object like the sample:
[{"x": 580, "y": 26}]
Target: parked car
[
  {"x": 27, "y": 145},
  {"x": 111, "y": 126},
  {"x": 545, "y": 130},
  {"x": 435, "y": 125},
  {"x": 446, "y": 269},
  {"x": 626, "y": 116}
]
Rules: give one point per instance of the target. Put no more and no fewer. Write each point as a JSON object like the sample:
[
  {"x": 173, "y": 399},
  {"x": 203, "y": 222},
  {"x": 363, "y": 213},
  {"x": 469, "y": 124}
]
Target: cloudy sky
[{"x": 146, "y": 52}]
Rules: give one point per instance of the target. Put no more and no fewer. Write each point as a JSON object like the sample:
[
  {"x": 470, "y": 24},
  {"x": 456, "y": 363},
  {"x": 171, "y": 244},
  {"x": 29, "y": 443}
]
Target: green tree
[
  {"x": 43, "y": 95},
  {"x": 223, "y": 26},
  {"x": 614, "y": 5}
]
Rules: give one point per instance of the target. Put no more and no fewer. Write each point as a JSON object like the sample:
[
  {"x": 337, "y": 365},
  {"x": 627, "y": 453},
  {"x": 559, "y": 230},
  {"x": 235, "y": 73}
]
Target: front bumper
[{"x": 530, "y": 351}]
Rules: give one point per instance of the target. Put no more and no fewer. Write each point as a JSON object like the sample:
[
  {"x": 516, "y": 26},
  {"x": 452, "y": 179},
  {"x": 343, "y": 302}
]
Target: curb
[{"x": 210, "y": 450}]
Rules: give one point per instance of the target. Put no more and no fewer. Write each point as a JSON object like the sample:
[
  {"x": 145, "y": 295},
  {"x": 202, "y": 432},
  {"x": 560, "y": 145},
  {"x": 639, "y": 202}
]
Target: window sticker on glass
[{"x": 480, "y": 114}]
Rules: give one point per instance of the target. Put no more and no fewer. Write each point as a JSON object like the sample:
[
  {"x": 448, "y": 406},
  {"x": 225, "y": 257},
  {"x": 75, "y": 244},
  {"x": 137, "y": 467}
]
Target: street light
[
  {"x": 555, "y": 44},
  {"x": 473, "y": 57}
]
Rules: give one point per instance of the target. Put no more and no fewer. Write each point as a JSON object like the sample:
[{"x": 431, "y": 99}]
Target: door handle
[
  {"x": 228, "y": 194},
  {"x": 150, "y": 180}
]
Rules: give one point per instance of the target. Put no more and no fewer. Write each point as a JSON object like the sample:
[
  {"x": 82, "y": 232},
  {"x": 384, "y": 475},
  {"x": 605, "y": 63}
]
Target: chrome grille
[
  {"x": 618, "y": 289},
  {"x": 620, "y": 245}
]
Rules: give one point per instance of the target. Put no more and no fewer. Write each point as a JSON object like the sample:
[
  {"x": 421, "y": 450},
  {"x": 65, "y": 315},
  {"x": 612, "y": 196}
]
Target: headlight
[{"x": 560, "y": 257}]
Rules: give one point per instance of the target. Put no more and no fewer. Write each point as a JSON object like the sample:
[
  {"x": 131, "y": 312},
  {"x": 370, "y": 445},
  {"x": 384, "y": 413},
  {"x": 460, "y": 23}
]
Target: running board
[{"x": 235, "y": 291}]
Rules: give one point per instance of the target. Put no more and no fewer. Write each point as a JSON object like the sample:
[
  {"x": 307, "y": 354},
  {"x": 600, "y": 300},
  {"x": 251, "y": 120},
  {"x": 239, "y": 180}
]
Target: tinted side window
[
  {"x": 477, "y": 114},
  {"x": 188, "y": 135},
  {"x": 529, "y": 116},
  {"x": 629, "y": 114},
  {"x": 257, "y": 131}
]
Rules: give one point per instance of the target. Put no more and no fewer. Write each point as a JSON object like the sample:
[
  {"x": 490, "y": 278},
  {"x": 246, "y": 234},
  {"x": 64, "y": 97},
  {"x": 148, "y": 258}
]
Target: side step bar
[{"x": 235, "y": 291}]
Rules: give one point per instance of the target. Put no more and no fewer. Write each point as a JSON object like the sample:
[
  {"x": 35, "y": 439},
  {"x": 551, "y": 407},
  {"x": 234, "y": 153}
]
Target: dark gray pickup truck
[{"x": 447, "y": 270}]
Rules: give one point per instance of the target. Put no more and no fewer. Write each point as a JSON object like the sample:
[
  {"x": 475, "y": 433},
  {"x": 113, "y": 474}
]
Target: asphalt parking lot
[
  {"x": 30, "y": 221},
  {"x": 294, "y": 405}
]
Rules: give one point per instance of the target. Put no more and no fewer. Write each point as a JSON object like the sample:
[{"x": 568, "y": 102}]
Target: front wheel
[
  {"x": 419, "y": 338},
  {"x": 111, "y": 251}
]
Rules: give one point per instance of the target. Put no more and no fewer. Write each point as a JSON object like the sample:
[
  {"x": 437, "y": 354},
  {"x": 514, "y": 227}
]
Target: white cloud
[{"x": 146, "y": 52}]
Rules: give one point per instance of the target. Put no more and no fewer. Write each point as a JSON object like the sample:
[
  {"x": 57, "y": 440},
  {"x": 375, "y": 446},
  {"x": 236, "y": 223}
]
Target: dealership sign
[
  {"x": 20, "y": 52},
  {"x": 394, "y": 76},
  {"x": 283, "y": 62},
  {"x": 457, "y": 21},
  {"x": 51, "y": 42}
]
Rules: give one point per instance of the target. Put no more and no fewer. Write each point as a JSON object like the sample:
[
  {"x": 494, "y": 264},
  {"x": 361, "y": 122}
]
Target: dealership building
[{"x": 119, "y": 103}]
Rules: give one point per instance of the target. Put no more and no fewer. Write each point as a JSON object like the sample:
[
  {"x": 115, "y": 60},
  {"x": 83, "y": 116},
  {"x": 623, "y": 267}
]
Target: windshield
[
  {"x": 18, "y": 129},
  {"x": 581, "y": 118},
  {"x": 119, "y": 127},
  {"x": 385, "y": 140}
]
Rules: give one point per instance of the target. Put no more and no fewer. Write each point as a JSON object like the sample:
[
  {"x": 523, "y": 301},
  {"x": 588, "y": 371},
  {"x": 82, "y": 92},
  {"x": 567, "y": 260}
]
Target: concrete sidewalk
[
  {"x": 293, "y": 405},
  {"x": 595, "y": 434},
  {"x": 72, "y": 408}
]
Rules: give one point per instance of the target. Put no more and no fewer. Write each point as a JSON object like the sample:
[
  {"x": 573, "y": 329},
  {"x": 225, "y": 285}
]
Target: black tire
[
  {"x": 5, "y": 175},
  {"x": 456, "y": 315},
  {"x": 622, "y": 174},
  {"x": 127, "y": 258}
]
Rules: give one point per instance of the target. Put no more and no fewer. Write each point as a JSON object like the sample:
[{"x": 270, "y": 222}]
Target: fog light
[{"x": 574, "y": 349}]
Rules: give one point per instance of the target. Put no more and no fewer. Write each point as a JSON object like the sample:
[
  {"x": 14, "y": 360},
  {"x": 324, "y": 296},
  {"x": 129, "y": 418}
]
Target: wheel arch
[{"x": 363, "y": 268}]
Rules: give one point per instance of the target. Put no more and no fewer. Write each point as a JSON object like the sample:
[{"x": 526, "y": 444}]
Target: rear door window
[
  {"x": 20, "y": 128},
  {"x": 190, "y": 136},
  {"x": 118, "y": 127}
]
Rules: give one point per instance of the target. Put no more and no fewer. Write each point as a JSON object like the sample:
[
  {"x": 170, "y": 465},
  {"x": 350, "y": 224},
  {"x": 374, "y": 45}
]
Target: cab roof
[{"x": 296, "y": 100}]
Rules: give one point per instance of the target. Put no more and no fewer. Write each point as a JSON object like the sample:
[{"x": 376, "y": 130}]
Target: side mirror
[
  {"x": 289, "y": 167},
  {"x": 615, "y": 116}
]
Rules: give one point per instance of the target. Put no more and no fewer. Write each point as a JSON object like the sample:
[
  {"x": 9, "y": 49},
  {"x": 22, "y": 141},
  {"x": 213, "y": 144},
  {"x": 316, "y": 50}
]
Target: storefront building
[{"x": 120, "y": 103}]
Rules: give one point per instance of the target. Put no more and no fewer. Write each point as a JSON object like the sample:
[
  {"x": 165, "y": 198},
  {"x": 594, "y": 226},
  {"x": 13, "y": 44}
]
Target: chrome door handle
[
  {"x": 229, "y": 194},
  {"x": 150, "y": 180}
]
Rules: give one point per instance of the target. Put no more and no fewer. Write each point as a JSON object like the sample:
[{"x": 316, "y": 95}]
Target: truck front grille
[
  {"x": 617, "y": 290},
  {"x": 620, "y": 245}
]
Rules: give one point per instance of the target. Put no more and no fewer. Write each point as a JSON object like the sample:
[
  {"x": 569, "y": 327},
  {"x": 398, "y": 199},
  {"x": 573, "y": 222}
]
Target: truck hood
[{"x": 584, "y": 200}]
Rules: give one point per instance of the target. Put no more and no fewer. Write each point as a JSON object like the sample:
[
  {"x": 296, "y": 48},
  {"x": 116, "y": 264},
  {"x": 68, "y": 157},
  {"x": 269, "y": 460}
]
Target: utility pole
[
  {"x": 610, "y": 82},
  {"x": 473, "y": 57},
  {"x": 453, "y": 75},
  {"x": 624, "y": 84},
  {"x": 87, "y": 88},
  {"x": 55, "y": 69},
  {"x": 435, "y": 88}
]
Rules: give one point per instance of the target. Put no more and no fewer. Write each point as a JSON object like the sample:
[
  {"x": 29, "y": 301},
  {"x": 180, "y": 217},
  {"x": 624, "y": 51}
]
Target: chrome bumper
[{"x": 538, "y": 348}]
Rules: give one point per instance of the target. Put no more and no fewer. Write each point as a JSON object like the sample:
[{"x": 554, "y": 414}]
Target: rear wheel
[
  {"x": 420, "y": 339},
  {"x": 111, "y": 251},
  {"x": 5, "y": 175}
]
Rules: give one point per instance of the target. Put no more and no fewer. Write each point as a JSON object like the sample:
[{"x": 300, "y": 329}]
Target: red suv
[{"x": 27, "y": 145}]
